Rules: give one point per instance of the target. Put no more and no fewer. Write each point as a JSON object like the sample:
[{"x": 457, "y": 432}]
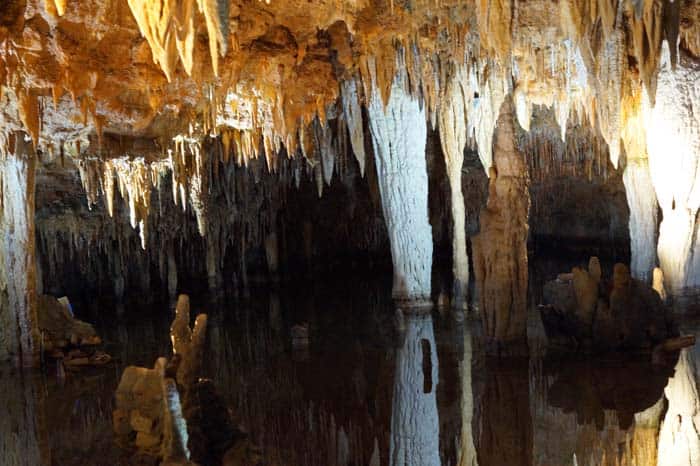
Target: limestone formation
[
  {"x": 188, "y": 343},
  {"x": 453, "y": 136},
  {"x": 585, "y": 312},
  {"x": 500, "y": 250},
  {"x": 398, "y": 135},
  {"x": 172, "y": 414},
  {"x": 19, "y": 330}
]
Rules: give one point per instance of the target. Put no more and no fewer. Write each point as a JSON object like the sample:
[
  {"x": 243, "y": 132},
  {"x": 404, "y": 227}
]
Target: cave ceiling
[{"x": 133, "y": 87}]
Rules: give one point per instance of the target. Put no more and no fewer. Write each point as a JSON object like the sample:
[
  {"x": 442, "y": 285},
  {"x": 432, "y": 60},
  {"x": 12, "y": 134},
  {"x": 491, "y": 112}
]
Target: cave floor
[{"x": 332, "y": 401}]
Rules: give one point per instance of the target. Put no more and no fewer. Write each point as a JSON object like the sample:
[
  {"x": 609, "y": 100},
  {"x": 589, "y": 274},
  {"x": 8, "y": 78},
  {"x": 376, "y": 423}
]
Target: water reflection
[
  {"x": 371, "y": 393},
  {"x": 415, "y": 427},
  {"x": 679, "y": 441},
  {"x": 505, "y": 435}
]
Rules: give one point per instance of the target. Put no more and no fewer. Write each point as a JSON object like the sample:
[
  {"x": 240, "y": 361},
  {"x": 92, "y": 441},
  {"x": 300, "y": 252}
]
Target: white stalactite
[
  {"x": 453, "y": 138},
  {"x": 673, "y": 144},
  {"x": 399, "y": 134},
  {"x": 19, "y": 333},
  {"x": 641, "y": 200},
  {"x": 353, "y": 117},
  {"x": 415, "y": 426},
  {"x": 490, "y": 91}
]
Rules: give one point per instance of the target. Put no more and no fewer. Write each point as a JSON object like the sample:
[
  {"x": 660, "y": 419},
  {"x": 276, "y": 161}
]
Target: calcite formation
[
  {"x": 587, "y": 313},
  {"x": 500, "y": 248}
]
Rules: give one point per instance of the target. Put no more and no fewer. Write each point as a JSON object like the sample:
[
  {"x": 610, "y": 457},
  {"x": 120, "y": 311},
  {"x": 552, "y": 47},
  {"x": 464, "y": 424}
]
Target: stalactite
[
  {"x": 453, "y": 138},
  {"x": 353, "y": 117},
  {"x": 399, "y": 134},
  {"x": 673, "y": 144},
  {"x": 643, "y": 222}
]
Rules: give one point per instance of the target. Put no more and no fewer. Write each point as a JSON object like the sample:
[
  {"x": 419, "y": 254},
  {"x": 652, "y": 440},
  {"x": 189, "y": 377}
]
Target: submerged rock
[
  {"x": 59, "y": 328},
  {"x": 69, "y": 340},
  {"x": 582, "y": 311},
  {"x": 170, "y": 415}
]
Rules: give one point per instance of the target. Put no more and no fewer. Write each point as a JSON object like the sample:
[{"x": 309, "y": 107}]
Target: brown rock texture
[{"x": 500, "y": 248}]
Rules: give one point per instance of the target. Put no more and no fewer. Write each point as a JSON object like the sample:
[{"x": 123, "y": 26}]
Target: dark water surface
[{"x": 371, "y": 389}]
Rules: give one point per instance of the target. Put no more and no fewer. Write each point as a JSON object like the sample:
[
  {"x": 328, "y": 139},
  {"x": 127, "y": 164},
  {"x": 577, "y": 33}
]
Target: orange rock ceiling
[{"x": 143, "y": 71}]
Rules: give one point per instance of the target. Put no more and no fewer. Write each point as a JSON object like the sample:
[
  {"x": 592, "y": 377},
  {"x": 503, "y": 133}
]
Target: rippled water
[{"x": 371, "y": 389}]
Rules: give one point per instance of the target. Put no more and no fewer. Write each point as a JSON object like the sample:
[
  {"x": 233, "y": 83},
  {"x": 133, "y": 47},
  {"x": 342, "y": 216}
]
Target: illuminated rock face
[
  {"x": 673, "y": 143},
  {"x": 19, "y": 334},
  {"x": 398, "y": 134},
  {"x": 500, "y": 249},
  {"x": 641, "y": 199}
]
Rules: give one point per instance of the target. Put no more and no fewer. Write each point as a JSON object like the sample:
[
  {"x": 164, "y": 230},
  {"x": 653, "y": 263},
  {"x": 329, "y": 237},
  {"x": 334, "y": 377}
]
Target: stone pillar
[
  {"x": 19, "y": 332},
  {"x": 399, "y": 134},
  {"x": 453, "y": 138},
  {"x": 673, "y": 143},
  {"x": 500, "y": 249},
  {"x": 641, "y": 200},
  {"x": 415, "y": 426}
]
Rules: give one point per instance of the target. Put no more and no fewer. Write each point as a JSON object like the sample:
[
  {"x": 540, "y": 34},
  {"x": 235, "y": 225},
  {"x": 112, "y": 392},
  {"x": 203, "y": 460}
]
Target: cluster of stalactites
[
  {"x": 170, "y": 28},
  {"x": 568, "y": 74},
  {"x": 135, "y": 178}
]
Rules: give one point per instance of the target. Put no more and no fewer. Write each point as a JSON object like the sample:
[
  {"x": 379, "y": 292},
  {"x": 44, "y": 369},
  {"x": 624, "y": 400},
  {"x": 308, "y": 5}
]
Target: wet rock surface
[
  {"x": 168, "y": 415},
  {"x": 583, "y": 311}
]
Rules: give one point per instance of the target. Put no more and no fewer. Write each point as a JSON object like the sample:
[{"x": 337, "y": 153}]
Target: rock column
[
  {"x": 453, "y": 137},
  {"x": 19, "y": 333},
  {"x": 399, "y": 134},
  {"x": 673, "y": 143},
  {"x": 500, "y": 249}
]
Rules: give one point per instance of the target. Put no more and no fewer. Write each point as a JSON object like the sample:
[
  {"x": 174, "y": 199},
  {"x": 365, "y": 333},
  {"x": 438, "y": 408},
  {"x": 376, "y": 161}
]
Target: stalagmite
[
  {"x": 399, "y": 134},
  {"x": 500, "y": 249},
  {"x": 19, "y": 333},
  {"x": 673, "y": 144},
  {"x": 453, "y": 137},
  {"x": 415, "y": 427}
]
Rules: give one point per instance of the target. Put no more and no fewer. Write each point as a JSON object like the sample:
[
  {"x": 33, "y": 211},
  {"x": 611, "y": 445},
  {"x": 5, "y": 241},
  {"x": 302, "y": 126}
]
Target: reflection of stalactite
[
  {"x": 506, "y": 423},
  {"x": 414, "y": 416},
  {"x": 467, "y": 453},
  {"x": 23, "y": 431},
  {"x": 679, "y": 439}
]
